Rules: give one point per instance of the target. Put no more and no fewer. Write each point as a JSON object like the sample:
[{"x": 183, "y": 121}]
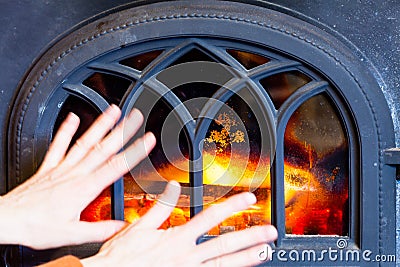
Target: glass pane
[
  {"x": 167, "y": 161},
  {"x": 140, "y": 62},
  {"x": 234, "y": 161},
  {"x": 85, "y": 111},
  {"x": 316, "y": 170},
  {"x": 194, "y": 55},
  {"x": 99, "y": 209},
  {"x": 247, "y": 59},
  {"x": 111, "y": 87},
  {"x": 280, "y": 86},
  {"x": 197, "y": 91}
]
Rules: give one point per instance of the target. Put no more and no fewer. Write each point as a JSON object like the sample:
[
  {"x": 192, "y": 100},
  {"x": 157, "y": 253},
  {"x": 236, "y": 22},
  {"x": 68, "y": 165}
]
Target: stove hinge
[{"x": 392, "y": 157}]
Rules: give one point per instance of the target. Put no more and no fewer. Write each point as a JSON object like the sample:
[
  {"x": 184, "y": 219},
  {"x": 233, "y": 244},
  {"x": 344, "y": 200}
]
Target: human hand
[
  {"x": 143, "y": 244},
  {"x": 44, "y": 211}
]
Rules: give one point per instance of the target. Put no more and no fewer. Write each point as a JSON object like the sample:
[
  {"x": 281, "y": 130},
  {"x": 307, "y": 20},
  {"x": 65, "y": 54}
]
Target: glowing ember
[{"x": 308, "y": 206}]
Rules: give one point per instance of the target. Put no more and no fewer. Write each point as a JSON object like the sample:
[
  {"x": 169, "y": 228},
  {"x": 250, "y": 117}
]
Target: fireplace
[{"x": 242, "y": 96}]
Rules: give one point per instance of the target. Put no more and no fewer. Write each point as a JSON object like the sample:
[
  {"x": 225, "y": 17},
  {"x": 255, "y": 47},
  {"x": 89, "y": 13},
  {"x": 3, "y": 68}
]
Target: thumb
[
  {"x": 87, "y": 232},
  {"x": 162, "y": 209}
]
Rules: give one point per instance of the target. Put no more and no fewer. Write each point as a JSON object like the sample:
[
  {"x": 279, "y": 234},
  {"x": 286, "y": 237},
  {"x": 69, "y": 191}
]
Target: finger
[
  {"x": 247, "y": 257},
  {"x": 215, "y": 214},
  {"x": 120, "y": 164},
  {"x": 234, "y": 241},
  {"x": 114, "y": 142},
  {"x": 60, "y": 143},
  {"x": 102, "y": 125},
  {"x": 155, "y": 217}
]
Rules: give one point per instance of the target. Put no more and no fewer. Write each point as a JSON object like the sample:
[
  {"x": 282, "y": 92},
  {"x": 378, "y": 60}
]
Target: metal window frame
[{"x": 215, "y": 48}]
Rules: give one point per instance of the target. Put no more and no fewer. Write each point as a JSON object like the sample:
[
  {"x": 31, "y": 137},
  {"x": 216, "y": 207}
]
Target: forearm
[{"x": 69, "y": 261}]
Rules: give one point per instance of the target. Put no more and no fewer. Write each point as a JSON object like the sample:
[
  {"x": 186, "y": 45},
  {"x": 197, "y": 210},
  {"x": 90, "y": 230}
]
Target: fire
[
  {"x": 311, "y": 207},
  {"x": 305, "y": 199},
  {"x": 227, "y": 135},
  {"x": 222, "y": 170},
  {"x": 220, "y": 174}
]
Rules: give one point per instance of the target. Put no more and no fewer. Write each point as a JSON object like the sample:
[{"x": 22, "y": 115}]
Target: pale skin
[{"x": 44, "y": 211}]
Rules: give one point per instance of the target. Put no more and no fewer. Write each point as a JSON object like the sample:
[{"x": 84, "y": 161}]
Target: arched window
[{"x": 228, "y": 117}]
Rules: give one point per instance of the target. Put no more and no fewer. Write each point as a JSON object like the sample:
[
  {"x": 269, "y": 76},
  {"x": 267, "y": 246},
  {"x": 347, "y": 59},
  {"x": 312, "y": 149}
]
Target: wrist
[{"x": 10, "y": 224}]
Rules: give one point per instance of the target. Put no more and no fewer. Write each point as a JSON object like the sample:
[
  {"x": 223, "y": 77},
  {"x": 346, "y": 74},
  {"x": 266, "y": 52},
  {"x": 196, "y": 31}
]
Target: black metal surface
[{"x": 373, "y": 28}]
